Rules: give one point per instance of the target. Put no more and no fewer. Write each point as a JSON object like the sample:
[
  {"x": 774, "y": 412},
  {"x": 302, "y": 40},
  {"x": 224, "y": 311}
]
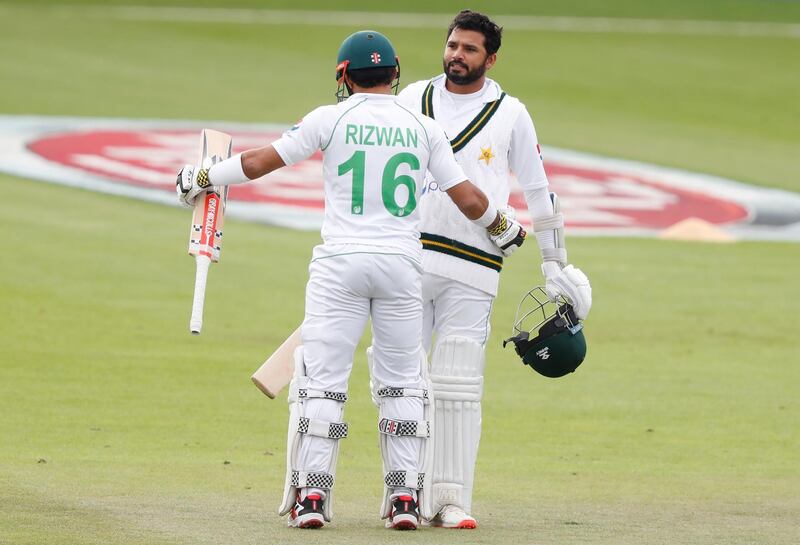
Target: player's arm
[
  {"x": 504, "y": 231},
  {"x": 548, "y": 221},
  {"x": 249, "y": 165},
  {"x": 472, "y": 202},
  {"x": 242, "y": 167},
  {"x": 296, "y": 144}
]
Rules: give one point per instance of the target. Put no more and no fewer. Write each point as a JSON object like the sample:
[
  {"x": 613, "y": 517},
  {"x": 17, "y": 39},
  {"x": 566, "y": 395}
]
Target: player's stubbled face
[{"x": 464, "y": 56}]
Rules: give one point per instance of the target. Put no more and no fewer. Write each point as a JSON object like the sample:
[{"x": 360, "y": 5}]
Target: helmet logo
[
  {"x": 544, "y": 353},
  {"x": 375, "y": 57}
]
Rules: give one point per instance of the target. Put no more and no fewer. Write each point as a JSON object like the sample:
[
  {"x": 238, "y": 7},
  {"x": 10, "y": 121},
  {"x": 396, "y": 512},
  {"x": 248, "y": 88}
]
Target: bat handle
[{"x": 196, "y": 323}]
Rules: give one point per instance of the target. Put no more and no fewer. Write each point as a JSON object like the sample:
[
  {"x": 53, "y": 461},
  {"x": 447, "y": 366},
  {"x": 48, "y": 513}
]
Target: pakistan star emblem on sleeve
[{"x": 486, "y": 155}]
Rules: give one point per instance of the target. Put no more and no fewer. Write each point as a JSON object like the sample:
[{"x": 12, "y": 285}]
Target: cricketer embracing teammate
[
  {"x": 375, "y": 155},
  {"x": 493, "y": 138}
]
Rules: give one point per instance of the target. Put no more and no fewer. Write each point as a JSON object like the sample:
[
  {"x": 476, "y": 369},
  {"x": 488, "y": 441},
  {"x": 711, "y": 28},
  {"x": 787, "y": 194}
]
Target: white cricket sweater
[{"x": 492, "y": 136}]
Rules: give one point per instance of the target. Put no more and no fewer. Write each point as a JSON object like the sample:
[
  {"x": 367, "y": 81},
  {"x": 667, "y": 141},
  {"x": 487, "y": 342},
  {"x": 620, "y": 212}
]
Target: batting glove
[
  {"x": 508, "y": 235},
  {"x": 570, "y": 283},
  {"x": 192, "y": 180}
]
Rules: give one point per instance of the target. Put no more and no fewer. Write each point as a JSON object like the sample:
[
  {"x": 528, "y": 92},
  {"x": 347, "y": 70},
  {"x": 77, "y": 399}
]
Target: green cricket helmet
[
  {"x": 362, "y": 50},
  {"x": 548, "y": 336}
]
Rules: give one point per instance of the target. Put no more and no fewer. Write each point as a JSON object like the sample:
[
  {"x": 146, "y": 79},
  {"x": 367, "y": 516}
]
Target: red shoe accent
[
  {"x": 405, "y": 525},
  {"x": 314, "y": 499},
  {"x": 406, "y": 500},
  {"x": 466, "y": 525}
]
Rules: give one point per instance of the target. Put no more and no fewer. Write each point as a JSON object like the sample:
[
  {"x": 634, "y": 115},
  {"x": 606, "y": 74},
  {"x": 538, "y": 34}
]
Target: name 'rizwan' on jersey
[{"x": 371, "y": 135}]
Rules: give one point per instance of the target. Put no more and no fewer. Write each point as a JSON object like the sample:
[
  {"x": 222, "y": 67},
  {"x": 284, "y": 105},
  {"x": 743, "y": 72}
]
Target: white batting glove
[
  {"x": 508, "y": 235},
  {"x": 570, "y": 283},
  {"x": 192, "y": 180}
]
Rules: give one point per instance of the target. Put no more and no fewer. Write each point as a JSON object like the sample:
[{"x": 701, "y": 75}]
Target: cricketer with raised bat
[
  {"x": 205, "y": 237},
  {"x": 492, "y": 136},
  {"x": 375, "y": 155}
]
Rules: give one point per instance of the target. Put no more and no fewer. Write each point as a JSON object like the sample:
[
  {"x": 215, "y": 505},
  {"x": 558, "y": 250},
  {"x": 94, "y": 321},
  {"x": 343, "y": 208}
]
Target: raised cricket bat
[
  {"x": 275, "y": 373},
  {"x": 205, "y": 236}
]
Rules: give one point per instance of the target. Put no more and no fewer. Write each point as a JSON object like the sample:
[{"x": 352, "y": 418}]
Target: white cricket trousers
[
  {"x": 343, "y": 292},
  {"x": 451, "y": 307}
]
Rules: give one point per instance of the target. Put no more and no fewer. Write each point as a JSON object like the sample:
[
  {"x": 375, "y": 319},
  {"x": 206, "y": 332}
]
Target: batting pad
[
  {"x": 405, "y": 440},
  {"x": 457, "y": 378},
  {"x": 315, "y": 429}
]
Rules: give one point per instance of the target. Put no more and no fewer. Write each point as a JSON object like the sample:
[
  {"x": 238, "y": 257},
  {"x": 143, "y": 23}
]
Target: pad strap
[
  {"x": 407, "y": 479},
  {"x": 390, "y": 391},
  {"x": 315, "y": 479},
  {"x": 405, "y": 428},
  {"x": 305, "y": 393},
  {"x": 321, "y": 428}
]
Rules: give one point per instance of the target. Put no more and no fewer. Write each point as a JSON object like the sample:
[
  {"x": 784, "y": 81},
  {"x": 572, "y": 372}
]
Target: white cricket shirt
[{"x": 375, "y": 155}]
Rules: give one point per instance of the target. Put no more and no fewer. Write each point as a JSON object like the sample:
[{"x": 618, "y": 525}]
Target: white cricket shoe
[{"x": 452, "y": 516}]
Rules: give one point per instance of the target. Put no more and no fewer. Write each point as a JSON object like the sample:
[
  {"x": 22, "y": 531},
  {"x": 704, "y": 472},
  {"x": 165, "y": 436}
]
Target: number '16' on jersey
[{"x": 375, "y": 157}]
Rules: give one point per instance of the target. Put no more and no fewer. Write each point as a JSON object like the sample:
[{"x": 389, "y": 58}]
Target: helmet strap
[
  {"x": 396, "y": 82},
  {"x": 341, "y": 70}
]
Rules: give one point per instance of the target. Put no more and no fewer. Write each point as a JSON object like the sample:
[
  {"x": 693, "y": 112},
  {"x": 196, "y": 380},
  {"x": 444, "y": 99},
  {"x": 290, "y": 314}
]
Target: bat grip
[{"x": 196, "y": 323}]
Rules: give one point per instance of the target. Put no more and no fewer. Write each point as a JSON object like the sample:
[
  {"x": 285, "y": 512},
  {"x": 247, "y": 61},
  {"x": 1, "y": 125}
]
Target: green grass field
[{"x": 116, "y": 426}]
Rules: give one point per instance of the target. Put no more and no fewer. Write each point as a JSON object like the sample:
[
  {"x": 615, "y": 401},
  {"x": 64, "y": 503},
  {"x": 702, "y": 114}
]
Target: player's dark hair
[
  {"x": 472, "y": 20},
  {"x": 372, "y": 77}
]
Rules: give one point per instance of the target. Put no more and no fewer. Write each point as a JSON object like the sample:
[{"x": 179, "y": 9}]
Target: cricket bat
[
  {"x": 205, "y": 236},
  {"x": 275, "y": 373}
]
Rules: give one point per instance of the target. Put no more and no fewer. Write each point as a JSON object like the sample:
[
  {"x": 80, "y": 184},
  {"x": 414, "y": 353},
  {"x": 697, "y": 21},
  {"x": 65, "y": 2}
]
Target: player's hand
[
  {"x": 508, "y": 234},
  {"x": 570, "y": 283},
  {"x": 192, "y": 180}
]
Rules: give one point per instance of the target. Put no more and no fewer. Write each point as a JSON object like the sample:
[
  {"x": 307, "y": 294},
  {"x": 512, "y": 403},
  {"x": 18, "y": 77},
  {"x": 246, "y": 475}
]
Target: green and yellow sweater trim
[
  {"x": 444, "y": 245},
  {"x": 473, "y": 127}
]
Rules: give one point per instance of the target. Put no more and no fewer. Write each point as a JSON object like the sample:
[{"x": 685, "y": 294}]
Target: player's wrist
[
  {"x": 228, "y": 172},
  {"x": 488, "y": 218},
  {"x": 550, "y": 269}
]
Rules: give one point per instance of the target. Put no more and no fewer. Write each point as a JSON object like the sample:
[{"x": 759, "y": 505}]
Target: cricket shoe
[
  {"x": 307, "y": 513},
  {"x": 452, "y": 516},
  {"x": 405, "y": 513}
]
